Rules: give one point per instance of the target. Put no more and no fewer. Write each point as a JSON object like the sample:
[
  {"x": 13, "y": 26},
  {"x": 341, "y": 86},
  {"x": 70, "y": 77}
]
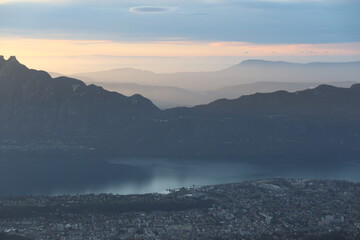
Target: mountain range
[
  {"x": 34, "y": 106},
  {"x": 169, "y": 97},
  {"x": 44, "y": 115},
  {"x": 249, "y": 71},
  {"x": 248, "y": 77}
]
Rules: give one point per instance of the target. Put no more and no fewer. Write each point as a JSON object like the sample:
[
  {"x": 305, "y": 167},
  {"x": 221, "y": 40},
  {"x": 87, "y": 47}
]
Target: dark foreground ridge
[
  {"x": 269, "y": 209},
  {"x": 60, "y": 113},
  {"x": 41, "y": 115}
]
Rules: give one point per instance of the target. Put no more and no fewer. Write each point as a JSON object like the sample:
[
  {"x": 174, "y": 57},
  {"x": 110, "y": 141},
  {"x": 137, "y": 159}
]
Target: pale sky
[{"x": 176, "y": 35}]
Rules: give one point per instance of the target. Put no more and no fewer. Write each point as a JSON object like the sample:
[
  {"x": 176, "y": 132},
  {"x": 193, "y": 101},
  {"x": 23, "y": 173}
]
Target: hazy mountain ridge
[
  {"x": 168, "y": 97},
  {"x": 249, "y": 71},
  {"x": 321, "y": 124},
  {"x": 248, "y": 77}
]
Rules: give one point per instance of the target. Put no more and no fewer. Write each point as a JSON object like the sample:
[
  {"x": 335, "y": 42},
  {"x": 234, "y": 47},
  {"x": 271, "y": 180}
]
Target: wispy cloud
[
  {"x": 150, "y": 9},
  {"x": 297, "y": 1},
  {"x": 266, "y": 21},
  {"x": 180, "y": 2},
  {"x": 27, "y": 1}
]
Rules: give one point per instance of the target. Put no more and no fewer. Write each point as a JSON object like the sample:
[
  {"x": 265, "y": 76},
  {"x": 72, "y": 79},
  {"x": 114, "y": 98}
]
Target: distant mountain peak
[
  {"x": 2, "y": 60},
  {"x": 325, "y": 87},
  {"x": 253, "y": 61},
  {"x": 13, "y": 59},
  {"x": 259, "y": 61},
  {"x": 11, "y": 68},
  {"x": 255, "y": 68}
]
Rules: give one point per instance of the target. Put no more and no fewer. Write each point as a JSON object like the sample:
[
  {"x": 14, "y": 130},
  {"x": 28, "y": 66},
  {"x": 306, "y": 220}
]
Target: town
[{"x": 264, "y": 209}]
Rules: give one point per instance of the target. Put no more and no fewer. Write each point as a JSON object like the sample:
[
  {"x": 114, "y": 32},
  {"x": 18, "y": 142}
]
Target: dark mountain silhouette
[
  {"x": 39, "y": 114},
  {"x": 317, "y": 124},
  {"x": 35, "y": 106},
  {"x": 324, "y": 100},
  {"x": 268, "y": 87}
]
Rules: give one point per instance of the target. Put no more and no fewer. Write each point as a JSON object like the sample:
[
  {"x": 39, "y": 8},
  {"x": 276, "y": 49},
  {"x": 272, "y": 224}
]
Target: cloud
[
  {"x": 150, "y": 9},
  {"x": 299, "y": 1},
  {"x": 203, "y": 20},
  {"x": 27, "y": 1},
  {"x": 166, "y": 1},
  {"x": 228, "y": 44}
]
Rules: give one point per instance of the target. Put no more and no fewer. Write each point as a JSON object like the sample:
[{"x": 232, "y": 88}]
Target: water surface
[{"x": 148, "y": 175}]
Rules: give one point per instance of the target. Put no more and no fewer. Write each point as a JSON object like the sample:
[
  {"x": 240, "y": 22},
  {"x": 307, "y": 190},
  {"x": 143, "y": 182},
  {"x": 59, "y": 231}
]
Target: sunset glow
[
  {"x": 176, "y": 35},
  {"x": 84, "y": 53}
]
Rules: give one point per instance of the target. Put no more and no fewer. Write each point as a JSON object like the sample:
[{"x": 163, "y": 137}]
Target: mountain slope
[
  {"x": 162, "y": 96},
  {"x": 324, "y": 100},
  {"x": 32, "y": 104},
  {"x": 318, "y": 124},
  {"x": 39, "y": 114}
]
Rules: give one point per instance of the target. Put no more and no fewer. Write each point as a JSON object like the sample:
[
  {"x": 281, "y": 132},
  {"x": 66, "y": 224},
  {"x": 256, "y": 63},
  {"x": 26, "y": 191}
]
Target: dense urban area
[{"x": 267, "y": 209}]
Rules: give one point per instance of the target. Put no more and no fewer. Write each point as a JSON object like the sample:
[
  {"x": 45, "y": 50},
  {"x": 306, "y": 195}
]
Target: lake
[{"x": 148, "y": 175}]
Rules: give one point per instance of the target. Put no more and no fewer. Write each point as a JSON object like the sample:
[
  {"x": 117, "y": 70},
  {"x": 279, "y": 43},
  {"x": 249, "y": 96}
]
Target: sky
[{"x": 72, "y": 36}]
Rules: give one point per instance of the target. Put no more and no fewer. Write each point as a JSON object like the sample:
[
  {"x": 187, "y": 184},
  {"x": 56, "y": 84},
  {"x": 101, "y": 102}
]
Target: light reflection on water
[
  {"x": 137, "y": 176},
  {"x": 168, "y": 174}
]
